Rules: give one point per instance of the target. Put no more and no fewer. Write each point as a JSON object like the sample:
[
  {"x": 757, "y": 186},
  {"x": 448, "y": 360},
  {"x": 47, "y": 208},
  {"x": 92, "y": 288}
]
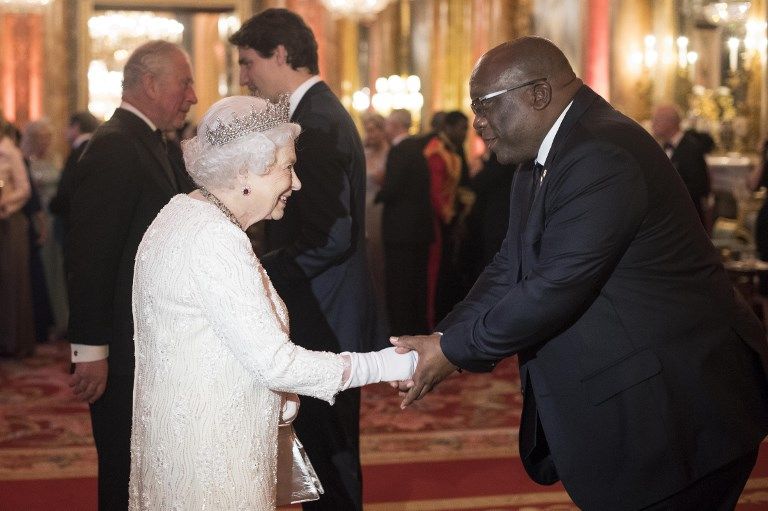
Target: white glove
[
  {"x": 290, "y": 407},
  {"x": 378, "y": 366}
]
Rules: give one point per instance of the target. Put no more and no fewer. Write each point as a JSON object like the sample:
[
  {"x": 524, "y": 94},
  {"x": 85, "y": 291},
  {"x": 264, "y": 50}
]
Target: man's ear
[
  {"x": 151, "y": 85},
  {"x": 542, "y": 95},
  {"x": 281, "y": 54}
]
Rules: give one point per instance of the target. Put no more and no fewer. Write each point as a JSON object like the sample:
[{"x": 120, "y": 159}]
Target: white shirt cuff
[{"x": 88, "y": 353}]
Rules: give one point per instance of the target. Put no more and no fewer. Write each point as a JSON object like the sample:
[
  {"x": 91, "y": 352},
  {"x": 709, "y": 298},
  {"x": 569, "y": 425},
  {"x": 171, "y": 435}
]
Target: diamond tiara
[{"x": 273, "y": 115}]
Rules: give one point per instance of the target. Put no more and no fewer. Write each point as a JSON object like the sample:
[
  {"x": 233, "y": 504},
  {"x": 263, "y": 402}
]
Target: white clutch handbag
[{"x": 296, "y": 478}]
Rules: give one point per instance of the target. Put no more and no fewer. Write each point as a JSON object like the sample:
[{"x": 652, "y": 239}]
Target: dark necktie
[
  {"x": 534, "y": 175},
  {"x": 164, "y": 146},
  {"x": 529, "y": 182},
  {"x": 538, "y": 176}
]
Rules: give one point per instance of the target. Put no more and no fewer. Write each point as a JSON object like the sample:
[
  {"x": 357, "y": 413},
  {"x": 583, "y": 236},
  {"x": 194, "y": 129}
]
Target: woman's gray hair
[{"x": 216, "y": 164}]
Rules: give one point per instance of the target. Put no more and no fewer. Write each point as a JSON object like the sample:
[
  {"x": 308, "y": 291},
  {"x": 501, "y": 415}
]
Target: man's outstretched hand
[{"x": 432, "y": 368}]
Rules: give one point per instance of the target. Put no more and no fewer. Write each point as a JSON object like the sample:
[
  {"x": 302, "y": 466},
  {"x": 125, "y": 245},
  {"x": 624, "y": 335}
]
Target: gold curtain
[{"x": 21, "y": 66}]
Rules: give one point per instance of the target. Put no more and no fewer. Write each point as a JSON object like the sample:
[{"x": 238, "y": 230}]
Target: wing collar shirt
[
  {"x": 399, "y": 138},
  {"x": 81, "y": 139},
  {"x": 672, "y": 144},
  {"x": 86, "y": 352},
  {"x": 300, "y": 91},
  {"x": 127, "y": 106}
]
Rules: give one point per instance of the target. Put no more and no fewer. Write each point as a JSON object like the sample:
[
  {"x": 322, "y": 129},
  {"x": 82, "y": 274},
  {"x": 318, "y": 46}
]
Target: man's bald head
[
  {"x": 526, "y": 57},
  {"x": 665, "y": 122},
  {"x": 519, "y": 89}
]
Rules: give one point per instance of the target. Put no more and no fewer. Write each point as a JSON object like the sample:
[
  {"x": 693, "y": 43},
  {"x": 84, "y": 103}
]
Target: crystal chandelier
[
  {"x": 724, "y": 13},
  {"x": 21, "y": 5},
  {"x": 356, "y": 8}
]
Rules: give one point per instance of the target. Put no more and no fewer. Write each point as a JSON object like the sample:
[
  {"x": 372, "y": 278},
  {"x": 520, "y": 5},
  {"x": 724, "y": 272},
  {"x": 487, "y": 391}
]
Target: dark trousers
[
  {"x": 111, "y": 421},
  {"x": 717, "y": 491},
  {"x": 405, "y": 265},
  {"x": 331, "y": 437}
]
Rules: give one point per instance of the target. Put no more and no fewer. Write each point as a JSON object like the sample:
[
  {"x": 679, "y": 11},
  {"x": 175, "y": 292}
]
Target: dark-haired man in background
[
  {"x": 316, "y": 253},
  {"x": 406, "y": 226},
  {"x": 79, "y": 131}
]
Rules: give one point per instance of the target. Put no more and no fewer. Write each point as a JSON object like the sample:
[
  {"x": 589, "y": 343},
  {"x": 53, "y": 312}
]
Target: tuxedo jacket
[
  {"x": 316, "y": 252},
  {"x": 642, "y": 368},
  {"x": 123, "y": 183},
  {"x": 688, "y": 159},
  {"x": 407, "y": 214}
]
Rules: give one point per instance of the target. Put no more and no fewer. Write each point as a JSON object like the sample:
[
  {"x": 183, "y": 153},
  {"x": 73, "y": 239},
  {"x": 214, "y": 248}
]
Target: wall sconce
[
  {"x": 755, "y": 42},
  {"x": 733, "y": 53},
  {"x": 391, "y": 93},
  {"x": 650, "y": 54},
  {"x": 643, "y": 61},
  {"x": 682, "y": 52},
  {"x": 691, "y": 57}
]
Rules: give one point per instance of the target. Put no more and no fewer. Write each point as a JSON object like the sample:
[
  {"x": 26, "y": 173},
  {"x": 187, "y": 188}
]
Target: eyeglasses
[{"x": 481, "y": 104}]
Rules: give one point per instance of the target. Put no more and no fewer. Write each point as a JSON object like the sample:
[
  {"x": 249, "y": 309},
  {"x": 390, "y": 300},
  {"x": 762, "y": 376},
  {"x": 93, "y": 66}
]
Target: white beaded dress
[{"x": 212, "y": 355}]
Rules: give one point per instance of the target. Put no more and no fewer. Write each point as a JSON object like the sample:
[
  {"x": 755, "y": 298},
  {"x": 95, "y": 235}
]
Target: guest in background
[
  {"x": 487, "y": 222},
  {"x": 436, "y": 123},
  {"x": 79, "y": 131},
  {"x": 406, "y": 226},
  {"x": 449, "y": 209},
  {"x": 376, "y": 147},
  {"x": 397, "y": 126},
  {"x": 17, "y": 336},
  {"x": 36, "y": 145},
  {"x": 686, "y": 152},
  {"x": 38, "y": 234},
  {"x": 316, "y": 253},
  {"x": 757, "y": 179},
  {"x": 125, "y": 179}
]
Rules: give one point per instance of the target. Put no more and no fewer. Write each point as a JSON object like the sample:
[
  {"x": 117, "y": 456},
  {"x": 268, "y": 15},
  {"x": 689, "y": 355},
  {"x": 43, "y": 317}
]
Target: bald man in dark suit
[{"x": 643, "y": 372}]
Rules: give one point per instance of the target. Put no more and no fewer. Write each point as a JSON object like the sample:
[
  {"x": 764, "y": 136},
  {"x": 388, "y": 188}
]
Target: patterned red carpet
[{"x": 455, "y": 450}]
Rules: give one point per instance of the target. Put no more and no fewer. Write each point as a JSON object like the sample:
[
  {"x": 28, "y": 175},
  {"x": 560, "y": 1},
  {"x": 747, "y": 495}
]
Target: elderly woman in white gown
[{"x": 213, "y": 353}]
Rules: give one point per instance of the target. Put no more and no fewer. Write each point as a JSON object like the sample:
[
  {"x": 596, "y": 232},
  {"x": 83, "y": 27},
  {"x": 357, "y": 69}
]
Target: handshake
[{"x": 414, "y": 366}]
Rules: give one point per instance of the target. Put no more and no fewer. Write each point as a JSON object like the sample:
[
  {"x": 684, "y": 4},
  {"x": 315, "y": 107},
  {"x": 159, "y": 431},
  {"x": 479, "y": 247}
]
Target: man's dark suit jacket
[
  {"x": 642, "y": 369},
  {"x": 316, "y": 261},
  {"x": 123, "y": 179},
  {"x": 406, "y": 214},
  {"x": 316, "y": 253},
  {"x": 123, "y": 184},
  {"x": 688, "y": 160},
  {"x": 407, "y": 231},
  {"x": 61, "y": 203}
]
